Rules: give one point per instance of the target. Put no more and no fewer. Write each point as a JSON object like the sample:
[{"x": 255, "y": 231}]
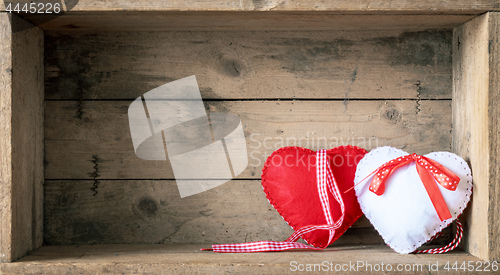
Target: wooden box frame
[{"x": 476, "y": 130}]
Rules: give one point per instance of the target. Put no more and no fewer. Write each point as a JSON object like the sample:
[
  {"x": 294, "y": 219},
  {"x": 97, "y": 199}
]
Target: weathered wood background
[
  {"x": 316, "y": 89},
  {"x": 476, "y": 92},
  {"x": 339, "y": 6},
  {"x": 21, "y": 138}
]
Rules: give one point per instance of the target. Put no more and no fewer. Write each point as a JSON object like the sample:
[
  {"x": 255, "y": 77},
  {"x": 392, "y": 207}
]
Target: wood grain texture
[
  {"x": 341, "y": 6},
  {"x": 146, "y": 211},
  {"x": 470, "y": 88},
  {"x": 240, "y": 21},
  {"x": 494, "y": 135},
  {"x": 476, "y": 128},
  {"x": 27, "y": 137},
  {"x": 96, "y": 139},
  {"x": 251, "y": 65},
  {"x": 188, "y": 259},
  {"x": 5, "y": 139},
  {"x": 22, "y": 139}
]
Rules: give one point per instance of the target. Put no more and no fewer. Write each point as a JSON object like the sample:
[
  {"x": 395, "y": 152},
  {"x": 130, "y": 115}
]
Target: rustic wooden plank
[
  {"x": 146, "y": 211},
  {"x": 5, "y": 140},
  {"x": 21, "y": 105},
  {"x": 342, "y": 6},
  {"x": 241, "y": 21},
  {"x": 187, "y": 259},
  {"x": 494, "y": 135},
  {"x": 96, "y": 139},
  {"x": 476, "y": 128},
  {"x": 251, "y": 65},
  {"x": 27, "y": 136}
]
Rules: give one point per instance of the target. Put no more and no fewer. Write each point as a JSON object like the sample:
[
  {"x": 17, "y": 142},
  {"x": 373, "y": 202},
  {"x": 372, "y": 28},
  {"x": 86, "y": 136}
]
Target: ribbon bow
[{"x": 430, "y": 172}]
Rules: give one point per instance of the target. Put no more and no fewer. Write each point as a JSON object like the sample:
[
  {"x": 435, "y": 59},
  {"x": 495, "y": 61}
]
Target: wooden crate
[{"x": 74, "y": 198}]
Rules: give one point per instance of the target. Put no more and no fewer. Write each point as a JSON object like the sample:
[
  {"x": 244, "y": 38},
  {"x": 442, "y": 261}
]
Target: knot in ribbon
[{"x": 430, "y": 172}]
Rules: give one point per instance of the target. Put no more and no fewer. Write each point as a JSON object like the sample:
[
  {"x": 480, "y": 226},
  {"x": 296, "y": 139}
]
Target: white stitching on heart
[
  {"x": 348, "y": 220},
  {"x": 363, "y": 163}
]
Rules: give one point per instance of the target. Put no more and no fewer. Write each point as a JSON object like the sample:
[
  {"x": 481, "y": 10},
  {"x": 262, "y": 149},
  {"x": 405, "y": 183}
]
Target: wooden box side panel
[
  {"x": 494, "y": 135},
  {"x": 21, "y": 195},
  {"x": 5, "y": 138},
  {"x": 340, "y": 6},
  {"x": 475, "y": 126},
  {"x": 243, "y": 21}
]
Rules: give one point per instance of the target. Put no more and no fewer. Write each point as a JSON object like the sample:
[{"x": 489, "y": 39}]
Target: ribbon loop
[
  {"x": 429, "y": 171},
  {"x": 449, "y": 247}
]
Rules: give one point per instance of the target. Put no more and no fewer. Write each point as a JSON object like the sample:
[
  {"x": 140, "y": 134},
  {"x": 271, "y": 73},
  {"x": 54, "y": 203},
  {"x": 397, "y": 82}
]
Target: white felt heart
[{"x": 404, "y": 215}]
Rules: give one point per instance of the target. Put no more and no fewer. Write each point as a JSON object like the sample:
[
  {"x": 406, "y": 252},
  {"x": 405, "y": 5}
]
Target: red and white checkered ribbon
[{"x": 326, "y": 183}]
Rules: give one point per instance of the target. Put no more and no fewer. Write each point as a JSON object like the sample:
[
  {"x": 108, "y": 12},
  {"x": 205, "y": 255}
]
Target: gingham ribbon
[
  {"x": 430, "y": 172},
  {"x": 326, "y": 183}
]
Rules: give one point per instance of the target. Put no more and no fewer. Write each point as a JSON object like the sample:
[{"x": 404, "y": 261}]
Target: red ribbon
[{"x": 430, "y": 172}]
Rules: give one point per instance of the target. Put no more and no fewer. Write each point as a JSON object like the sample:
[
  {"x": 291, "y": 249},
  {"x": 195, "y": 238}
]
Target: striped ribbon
[
  {"x": 326, "y": 184},
  {"x": 452, "y": 245}
]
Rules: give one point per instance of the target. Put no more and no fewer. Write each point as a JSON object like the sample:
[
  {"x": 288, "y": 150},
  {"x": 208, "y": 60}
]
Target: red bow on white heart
[{"x": 430, "y": 172}]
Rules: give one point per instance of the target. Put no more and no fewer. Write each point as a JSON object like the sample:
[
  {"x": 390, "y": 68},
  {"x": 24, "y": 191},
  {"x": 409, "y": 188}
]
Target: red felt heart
[{"x": 289, "y": 181}]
